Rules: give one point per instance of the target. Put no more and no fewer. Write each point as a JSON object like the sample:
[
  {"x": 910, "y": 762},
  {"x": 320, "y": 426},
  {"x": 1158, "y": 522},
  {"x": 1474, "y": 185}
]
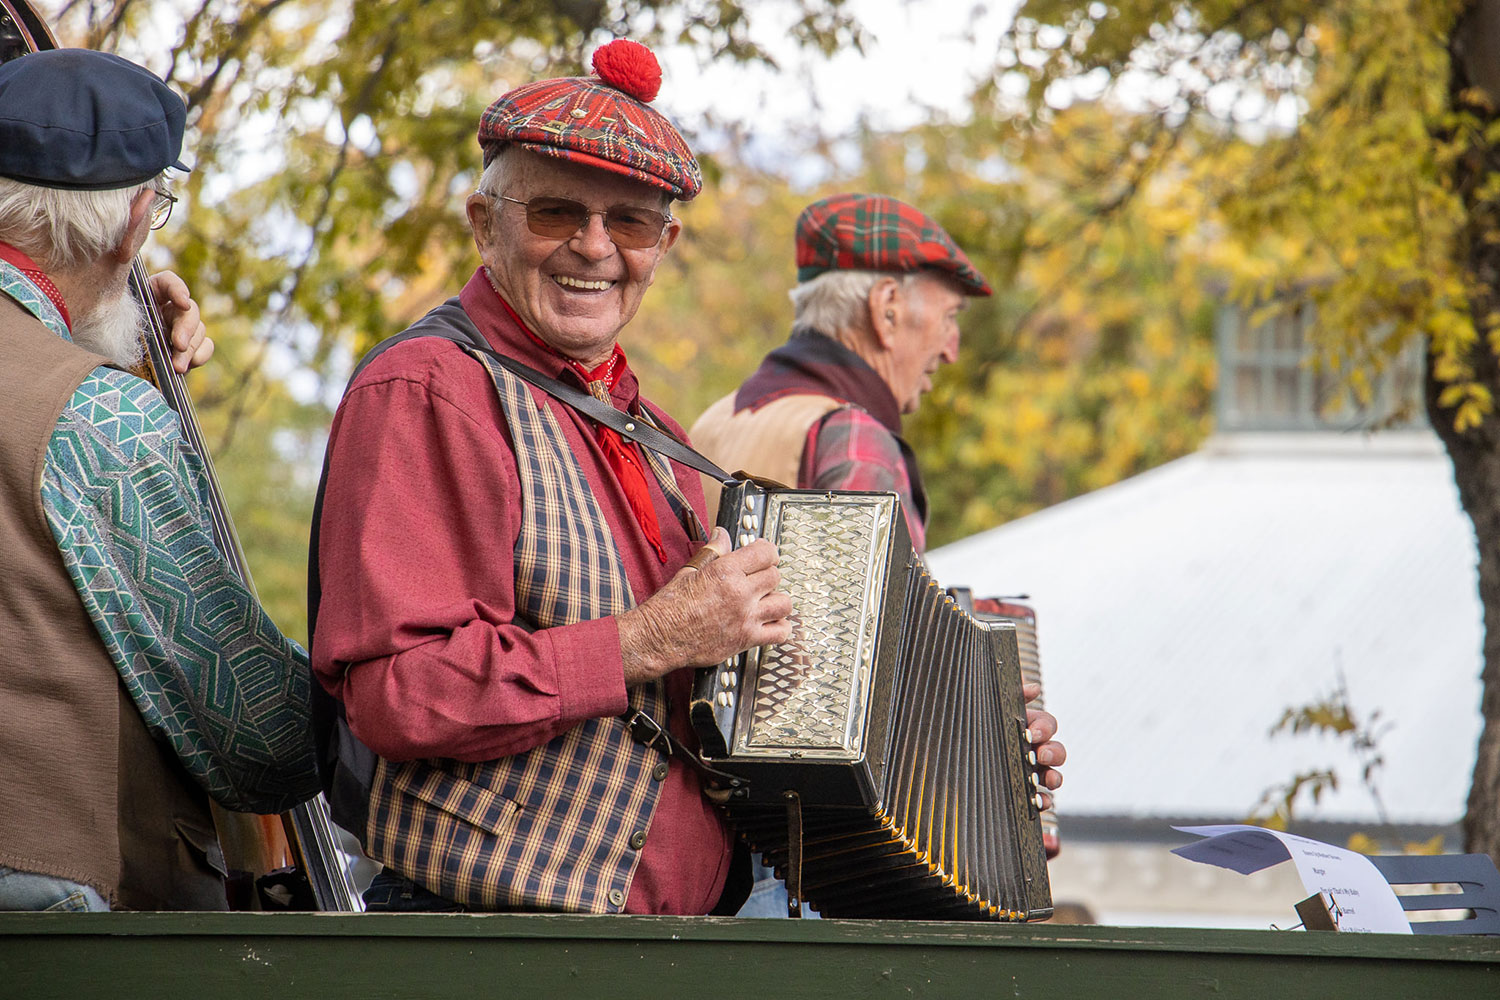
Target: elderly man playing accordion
[
  {"x": 138, "y": 676},
  {"x": 503, "y": 581},
  {"x": 509, "y": 592}
]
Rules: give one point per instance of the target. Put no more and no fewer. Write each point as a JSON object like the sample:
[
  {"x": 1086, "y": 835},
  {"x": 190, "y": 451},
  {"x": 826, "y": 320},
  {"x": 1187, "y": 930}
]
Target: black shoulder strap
[{"x": 451, "y": 322}]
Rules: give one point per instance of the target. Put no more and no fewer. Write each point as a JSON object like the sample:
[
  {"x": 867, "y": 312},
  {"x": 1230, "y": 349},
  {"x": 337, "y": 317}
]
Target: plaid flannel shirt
[
  {"x": 854, "y": 447},
  {"x": 850, "y": 450}
]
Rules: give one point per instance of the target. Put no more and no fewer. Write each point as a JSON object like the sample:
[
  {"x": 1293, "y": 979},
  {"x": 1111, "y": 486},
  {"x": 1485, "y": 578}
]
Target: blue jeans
[
  {"x": 391, "y": 893},
  {"x": 30, "y": 891},
  {"x": 768, "y": 895}
]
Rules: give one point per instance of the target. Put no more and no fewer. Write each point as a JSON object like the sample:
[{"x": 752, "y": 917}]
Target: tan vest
[
  {"x": 767, "y": 442},
  {"x": 86, "y": 793}
]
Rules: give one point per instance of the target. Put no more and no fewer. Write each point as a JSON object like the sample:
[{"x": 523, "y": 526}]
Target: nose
[
  {"x": 950, "y": 349},
  {"x": 592, "y": 239}
]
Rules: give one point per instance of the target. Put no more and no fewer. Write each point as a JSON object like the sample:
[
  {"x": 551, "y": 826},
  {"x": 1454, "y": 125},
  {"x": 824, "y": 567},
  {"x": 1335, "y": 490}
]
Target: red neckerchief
[
  {"x": 37, "y": 277},
  {"x": 623, "y": 460}
]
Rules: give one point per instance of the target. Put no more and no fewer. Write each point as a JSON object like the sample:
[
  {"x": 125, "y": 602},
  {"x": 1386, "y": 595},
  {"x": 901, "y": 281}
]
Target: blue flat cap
[{"x": 86, "y": 120}]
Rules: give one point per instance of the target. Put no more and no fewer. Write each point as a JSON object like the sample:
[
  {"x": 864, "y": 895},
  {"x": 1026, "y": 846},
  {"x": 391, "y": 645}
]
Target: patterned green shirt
[{"x": 126, "y": 499}]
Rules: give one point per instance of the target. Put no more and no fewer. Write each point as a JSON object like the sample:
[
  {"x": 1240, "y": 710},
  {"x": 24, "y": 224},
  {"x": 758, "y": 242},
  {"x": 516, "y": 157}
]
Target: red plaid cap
[
  {"x": 602, "y": 121},
  {"x": 870, "y": 232}
]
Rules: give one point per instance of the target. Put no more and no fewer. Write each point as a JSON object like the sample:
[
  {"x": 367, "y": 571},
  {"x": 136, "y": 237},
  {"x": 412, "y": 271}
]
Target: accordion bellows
[{"x": 892, "y": 718}]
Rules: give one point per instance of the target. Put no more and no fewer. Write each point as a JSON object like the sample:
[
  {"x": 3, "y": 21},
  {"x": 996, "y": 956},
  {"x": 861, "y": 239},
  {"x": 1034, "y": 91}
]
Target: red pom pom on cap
[{"x": 629, "y": 66}]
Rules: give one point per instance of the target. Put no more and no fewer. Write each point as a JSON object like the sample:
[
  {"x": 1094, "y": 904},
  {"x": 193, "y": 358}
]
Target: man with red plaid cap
[
  {"x": 880, "y": 288},
  {"x": 502, "y": 588}
]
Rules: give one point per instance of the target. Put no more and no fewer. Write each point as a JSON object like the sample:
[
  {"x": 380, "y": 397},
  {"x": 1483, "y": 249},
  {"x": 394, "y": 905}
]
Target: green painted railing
[{"x": 374, "y": 957}]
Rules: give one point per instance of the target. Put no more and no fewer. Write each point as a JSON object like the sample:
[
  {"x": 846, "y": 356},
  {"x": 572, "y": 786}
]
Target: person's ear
[
  {"x": 669, "y": 236},
  {"x": 477, "y": 208},
  {"x": 885, "y": 311},
  {"x": 136, "y": 229}
]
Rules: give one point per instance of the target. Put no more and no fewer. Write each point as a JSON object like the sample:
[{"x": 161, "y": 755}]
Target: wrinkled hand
[
  {"x": 191, "y": 344},
  {"x": 719, "y": 604},
  {"x": 1050, "y": 754}
]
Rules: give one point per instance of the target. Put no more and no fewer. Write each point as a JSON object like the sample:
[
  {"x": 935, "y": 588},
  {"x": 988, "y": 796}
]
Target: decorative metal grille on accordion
[{"x": 892, "y": 717}]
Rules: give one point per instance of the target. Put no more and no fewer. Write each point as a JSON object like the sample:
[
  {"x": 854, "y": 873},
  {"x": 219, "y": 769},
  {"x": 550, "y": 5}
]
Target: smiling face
[
  {"x": 575, "y": 293},
  {"x": 925, "y": 336}
]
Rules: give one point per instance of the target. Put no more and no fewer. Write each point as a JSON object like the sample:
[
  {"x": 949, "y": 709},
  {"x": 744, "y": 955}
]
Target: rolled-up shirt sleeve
[{"x": 417, "y": 630}]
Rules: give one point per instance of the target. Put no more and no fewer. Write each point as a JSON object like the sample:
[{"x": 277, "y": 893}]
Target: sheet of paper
[{"x": 1365, "y": 901}]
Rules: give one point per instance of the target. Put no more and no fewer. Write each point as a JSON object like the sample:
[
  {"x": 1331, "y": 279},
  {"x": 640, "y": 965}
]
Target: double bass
[{"x": 302, "y": 840}]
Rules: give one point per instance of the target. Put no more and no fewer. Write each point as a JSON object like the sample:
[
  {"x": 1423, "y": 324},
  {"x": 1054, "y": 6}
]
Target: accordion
[
  {"x": 1024, "y": 616},
  {"x": 879, "y": 758}
]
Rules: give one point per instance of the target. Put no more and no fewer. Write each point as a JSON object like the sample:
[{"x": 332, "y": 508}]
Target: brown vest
[
  {"x": 767, "y": 442},
  {"x": 86, "y": 793}
]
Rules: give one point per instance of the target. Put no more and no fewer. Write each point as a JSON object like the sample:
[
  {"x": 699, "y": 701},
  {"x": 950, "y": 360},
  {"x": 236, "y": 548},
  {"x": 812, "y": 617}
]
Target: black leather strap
[{"x": 451, "y": 322}]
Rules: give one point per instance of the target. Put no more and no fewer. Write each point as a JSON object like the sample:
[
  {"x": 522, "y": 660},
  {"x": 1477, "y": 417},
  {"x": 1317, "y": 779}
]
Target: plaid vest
[{"x": 547, "y": 829}]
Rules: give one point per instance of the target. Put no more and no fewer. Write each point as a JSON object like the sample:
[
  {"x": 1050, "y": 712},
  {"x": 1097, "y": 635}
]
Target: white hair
[
  {"x": 63, "y": 229},
  {"x": 838, "y": 299},
  {"x": 492, "y": 181}
]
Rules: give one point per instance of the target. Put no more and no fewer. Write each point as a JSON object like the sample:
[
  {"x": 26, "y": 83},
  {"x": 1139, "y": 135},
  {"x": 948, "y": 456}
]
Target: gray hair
[
  {"x": 838, "y": 299},
  {"x": 64, "y": 229}
]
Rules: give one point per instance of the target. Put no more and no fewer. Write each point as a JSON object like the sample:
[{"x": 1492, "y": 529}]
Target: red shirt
[{"x": 420, "y": 520}]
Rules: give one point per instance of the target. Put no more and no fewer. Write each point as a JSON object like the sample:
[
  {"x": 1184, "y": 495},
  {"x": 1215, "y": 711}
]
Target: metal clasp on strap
[
  {"x": 646, "y": 731},
  {"x": 652, "y": 734}
]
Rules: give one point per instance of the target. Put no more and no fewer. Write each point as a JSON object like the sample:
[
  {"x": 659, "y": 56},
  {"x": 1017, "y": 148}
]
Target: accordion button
[
  {"x": 617, "y": 897},
  {"x": 638, "y": 840},
  {"x": 659, "y": 772}
]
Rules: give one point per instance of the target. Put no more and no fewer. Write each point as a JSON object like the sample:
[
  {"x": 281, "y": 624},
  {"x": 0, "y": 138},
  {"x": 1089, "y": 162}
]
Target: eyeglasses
[
  {"x": 161, "y": 208},
  {"x": 559, "y": 218}
]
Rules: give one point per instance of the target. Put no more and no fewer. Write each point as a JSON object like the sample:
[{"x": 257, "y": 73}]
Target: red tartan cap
[
  {"x": 870, "y": 232},
  {"x": 602, "y": 121}
]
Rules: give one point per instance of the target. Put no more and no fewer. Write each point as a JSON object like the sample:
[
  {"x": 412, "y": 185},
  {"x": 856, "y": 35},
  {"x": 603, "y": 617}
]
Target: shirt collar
[
  {"x": 813, "y": 362},
  {"x": 23, "y": 279}
]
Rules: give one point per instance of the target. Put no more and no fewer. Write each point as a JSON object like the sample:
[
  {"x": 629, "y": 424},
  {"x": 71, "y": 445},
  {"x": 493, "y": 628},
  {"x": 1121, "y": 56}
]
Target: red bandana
[
  {"x": 623, "y": 460},
  {"x": 37, "y": 277}
]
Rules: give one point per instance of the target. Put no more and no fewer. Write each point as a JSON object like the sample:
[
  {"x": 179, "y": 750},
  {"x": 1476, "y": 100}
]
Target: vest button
[
  {"x": 617, "y": 897},
  {"x": 659, "y": 772},
  {"x": 638, "y": 839}
]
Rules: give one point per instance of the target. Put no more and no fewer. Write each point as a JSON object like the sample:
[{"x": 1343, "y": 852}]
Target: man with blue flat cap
[{"x": 138, "y": 677}]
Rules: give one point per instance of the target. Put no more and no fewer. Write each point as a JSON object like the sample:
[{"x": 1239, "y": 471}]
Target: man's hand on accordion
[
  {"x": 721, "y": 603},
  {"x": 1050, "y": 754}
]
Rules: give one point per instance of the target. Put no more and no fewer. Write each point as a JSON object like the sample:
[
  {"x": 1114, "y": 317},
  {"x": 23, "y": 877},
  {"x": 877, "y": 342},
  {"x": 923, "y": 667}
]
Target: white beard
[{"x": 114, "y": 328}]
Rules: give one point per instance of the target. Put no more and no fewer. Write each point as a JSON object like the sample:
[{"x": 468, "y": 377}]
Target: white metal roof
[{"x": 1182, "y": 611}]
